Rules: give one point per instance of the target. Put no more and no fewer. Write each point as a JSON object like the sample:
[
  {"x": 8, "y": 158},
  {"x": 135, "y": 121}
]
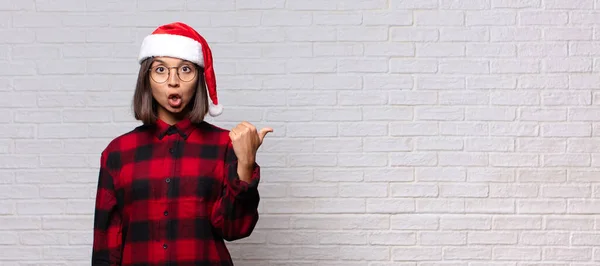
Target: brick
[
  {"x": 542, "y": 175},
  {"x": 341, "y": 222},
  {"x": 393, "y": 18},
  {"x": 444, "y": 206},
  {"x": 435, "y": 18},
  {"x": 414, "y": 4},
  {"x": 402, "y": 34},
  {"x": 484, "y": 174},
  {"x": 363, "y": 160},
  {"x": 338, "y": 206},
  {"x": 440, "y": 50},
  {"x": 517, "y": 253},
  {"x": 413, "y": 159},
  {"x": 534, "y": 206},
  {"x": 490, "y": 114},
  {"x": 338, "y": 144},
  {"x": 438, "y": 144},
  {"x": 416, "y": 253},
  {"x": 574, "y": 4},
  {"x": 337, "y": 82},
  {"x": 462, "y": 34},
  {"x": 439, "y": 113},
  {"x": 496, "y": 238},
  {"x": 566, "y": 130},
  {"x": 520, "y": 222},
  {"x": 363, "y": 66},
  {"x": 469, "y": 222},
  {"x": 516, "y": 3},
  {"x": 489, "y": 144},
  {"x": 543, "y": 114},
  {"x": 311, "y": 34},
  {"x": 513, "y": 191},
  {"x": 447, "y": 174},
  {"x": 328, "y": 18},
  {"x": 414, "y": 222},
  {"x": 572, "y": 222},
  {"x": 463, "y": 191},
  {"x": 405, "y": 66},
  {"x": 490, "y": 18},
  {"x": 414, "y": 190},
  {"x": 396, "y": 174},
  {"x": 514, "y": 129},
  {"x": 468, "y": 253},
  {"x": 465, "y": 5},
  {"x": 567, "y": 191},
  {"x": 443, "y": 238},
  {"x": 515, "y": 34},
  {"x": 390, "y": 206},
  {"x": 463, "y": 159},
  {"x": 568, "y": 254},
  {"x": 491, "y": 50},
  {"x": 569, "y": 65},
  {"x": 582, "y": 206}
]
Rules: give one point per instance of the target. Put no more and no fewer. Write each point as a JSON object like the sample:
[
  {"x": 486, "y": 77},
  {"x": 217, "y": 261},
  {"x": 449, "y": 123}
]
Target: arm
[
  {"x": 235, "y": 214},
  {"x": 107, "y": 242}
]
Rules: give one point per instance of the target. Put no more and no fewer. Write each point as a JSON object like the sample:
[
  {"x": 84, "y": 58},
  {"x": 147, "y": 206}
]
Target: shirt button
[
  {"x": 166, "y": 213},
  {"x": 165, "y": 246},
  {"x": 168, "y": 180},
  {"x": 171, "y": 150}
]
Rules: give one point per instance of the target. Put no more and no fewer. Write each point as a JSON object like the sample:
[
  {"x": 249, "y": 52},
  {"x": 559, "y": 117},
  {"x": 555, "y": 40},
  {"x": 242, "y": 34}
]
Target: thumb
[{"x": 263, "y": 132}]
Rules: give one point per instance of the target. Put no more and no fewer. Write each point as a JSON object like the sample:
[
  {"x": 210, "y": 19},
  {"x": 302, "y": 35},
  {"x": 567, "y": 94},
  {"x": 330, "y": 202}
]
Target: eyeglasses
[{"x": 161, "y": 73}]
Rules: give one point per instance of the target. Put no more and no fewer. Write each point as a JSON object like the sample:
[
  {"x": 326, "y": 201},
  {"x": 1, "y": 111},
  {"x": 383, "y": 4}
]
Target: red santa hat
[{"x": 182, "y": 41}]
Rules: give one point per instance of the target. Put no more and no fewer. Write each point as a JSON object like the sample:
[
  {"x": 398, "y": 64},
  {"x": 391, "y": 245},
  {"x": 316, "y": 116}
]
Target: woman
[{"x": 173, "y": 189}]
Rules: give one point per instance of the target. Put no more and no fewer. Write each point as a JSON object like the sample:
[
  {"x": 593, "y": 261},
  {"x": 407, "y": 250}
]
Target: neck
[{"x": 170, "y": 118}]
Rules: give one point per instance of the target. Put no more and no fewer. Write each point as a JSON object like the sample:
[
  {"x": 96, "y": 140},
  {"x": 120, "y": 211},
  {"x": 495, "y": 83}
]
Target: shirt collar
[{"x": 183, "y": 128}]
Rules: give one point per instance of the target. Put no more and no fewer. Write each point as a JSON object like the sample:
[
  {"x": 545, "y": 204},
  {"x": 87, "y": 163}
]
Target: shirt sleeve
[
  {"x": 235, "y": 214},
  {"x": 107, "y": 243}
]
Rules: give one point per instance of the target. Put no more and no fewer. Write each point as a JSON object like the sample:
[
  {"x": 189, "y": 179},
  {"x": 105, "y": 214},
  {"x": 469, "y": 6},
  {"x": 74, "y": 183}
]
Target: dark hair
[{"x": 145, "y": 106}]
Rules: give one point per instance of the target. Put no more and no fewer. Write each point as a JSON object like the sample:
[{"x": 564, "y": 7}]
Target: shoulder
[
  {"x": 209, "y": 127},
  {"x": 213, "y": 132},
  {"x": 126, "y": 141}
]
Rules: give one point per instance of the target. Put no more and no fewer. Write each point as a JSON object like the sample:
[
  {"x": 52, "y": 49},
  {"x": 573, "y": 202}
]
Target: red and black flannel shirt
[{"x": 170, "y": 195}]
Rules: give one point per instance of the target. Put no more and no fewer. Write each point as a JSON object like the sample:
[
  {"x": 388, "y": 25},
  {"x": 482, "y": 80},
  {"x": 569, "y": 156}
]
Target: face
[{"x": 173, "y": 83}]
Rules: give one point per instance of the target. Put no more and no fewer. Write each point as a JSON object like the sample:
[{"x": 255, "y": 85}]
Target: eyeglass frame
[{"x": 169, "y": 73}]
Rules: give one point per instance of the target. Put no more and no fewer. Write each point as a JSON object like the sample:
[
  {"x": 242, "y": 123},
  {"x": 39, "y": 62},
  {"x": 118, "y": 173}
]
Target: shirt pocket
[
  {"x": 196, "y": 196},
  {"x": 198, "y": 180},
  {"x": 200, "y": 188}
]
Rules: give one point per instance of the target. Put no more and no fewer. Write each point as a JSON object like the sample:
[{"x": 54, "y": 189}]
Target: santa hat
[{"x": 182, "y": 41}]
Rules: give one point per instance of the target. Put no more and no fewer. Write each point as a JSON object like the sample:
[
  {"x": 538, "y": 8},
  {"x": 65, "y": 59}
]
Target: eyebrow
[{"x": 163, "y": 62}]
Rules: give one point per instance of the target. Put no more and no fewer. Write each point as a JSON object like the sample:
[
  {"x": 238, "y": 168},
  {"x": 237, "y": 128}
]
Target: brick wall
[{"x": 407, "y": 132}]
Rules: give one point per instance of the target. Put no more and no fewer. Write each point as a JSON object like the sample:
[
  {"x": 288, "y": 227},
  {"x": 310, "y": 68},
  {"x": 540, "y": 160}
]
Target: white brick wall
[{"x": 407, "y": 132}]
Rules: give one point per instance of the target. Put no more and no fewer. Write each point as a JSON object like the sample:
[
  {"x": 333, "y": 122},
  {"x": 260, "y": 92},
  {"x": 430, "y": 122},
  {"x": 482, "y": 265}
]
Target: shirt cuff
[{"x": 239, "y": 188}]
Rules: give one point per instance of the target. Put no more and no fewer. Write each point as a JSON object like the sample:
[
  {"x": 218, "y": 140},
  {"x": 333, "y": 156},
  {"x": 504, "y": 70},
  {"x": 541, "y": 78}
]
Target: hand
[{"x": 246, "y": 140}]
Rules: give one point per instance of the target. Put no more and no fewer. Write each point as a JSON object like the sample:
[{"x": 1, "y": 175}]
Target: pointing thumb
[{"x": 263, "y": 132}]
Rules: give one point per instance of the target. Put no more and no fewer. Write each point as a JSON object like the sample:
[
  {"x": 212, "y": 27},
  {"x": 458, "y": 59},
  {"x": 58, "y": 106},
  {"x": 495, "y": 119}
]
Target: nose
[{"x": 173, "y": 78}]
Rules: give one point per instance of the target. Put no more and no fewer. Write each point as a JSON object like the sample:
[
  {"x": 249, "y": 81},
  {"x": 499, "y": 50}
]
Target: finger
[
  {"x": 264, "y": 132},
  {"x": 234, "y": 132},
  {"x": 248, "y": 125}
]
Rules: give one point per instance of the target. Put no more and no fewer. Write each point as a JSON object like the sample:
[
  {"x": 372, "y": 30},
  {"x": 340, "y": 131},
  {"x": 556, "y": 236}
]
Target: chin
[{"x": 176, "y": 110}]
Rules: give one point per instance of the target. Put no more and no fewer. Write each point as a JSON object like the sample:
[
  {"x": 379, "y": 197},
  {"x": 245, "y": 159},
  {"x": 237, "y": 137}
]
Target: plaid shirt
[{"x": 170, "y": 195}]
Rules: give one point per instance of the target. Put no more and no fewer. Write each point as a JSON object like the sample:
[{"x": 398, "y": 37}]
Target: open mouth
[{"x": 174, "y": 100}]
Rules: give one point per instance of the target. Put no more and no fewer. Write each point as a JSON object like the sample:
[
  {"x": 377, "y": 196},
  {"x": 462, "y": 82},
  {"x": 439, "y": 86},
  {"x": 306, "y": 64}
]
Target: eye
[
  {"x": 186, "y": 69},
  {"x": 159, "y": 69}
]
